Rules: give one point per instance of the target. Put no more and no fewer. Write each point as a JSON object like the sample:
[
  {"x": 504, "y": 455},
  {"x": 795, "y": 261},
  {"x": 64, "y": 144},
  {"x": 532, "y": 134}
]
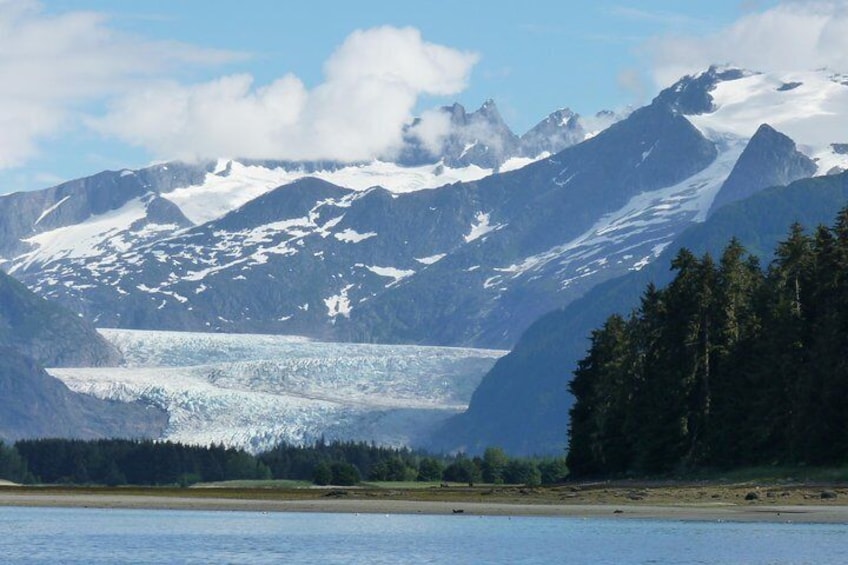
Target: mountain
[
  {"x": 35, "y": 332},
  {"x": 35, "y": 405},
  {"x": 559, "y": 130},
  {"x": 769, "y": 159},
  {"x": 473, "y": 262},
  {"x": 47, "y": 332},
  {"x": 540, "y": 236},
  {"x": 468, "y": 243},
  {"x": 465, "y": 264},
  {"x": 26, "y": 214},
  {"x": 481, "y": 138},
  {"x": 522, "y": 403}
]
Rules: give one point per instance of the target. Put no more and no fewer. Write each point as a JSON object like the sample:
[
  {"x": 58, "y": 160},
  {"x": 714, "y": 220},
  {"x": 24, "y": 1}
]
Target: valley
[
  {"x": 197, "y": 272},
  {"x": 256, "y": 391}
]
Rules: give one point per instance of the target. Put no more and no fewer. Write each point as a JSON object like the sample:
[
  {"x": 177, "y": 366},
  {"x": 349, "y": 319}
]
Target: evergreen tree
[
  {"x": 494, "y": 464},
  {"x": 601, "y": 382},
  {"x": 735, "y": 353},
  {"x": 726, "y": 366}
]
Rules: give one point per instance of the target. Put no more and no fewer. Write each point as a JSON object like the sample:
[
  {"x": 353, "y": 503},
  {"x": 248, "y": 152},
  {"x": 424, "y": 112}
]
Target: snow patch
[
  {"x": 391, "y": 272},
  {"x": 431, "y": 259},
  {"x": 96, "y": 236},
  {"x": 481, "y": 227},
  {"x": 49, "y": 210},
  {"x": 339, "y": 304},
  {"x": 352, "y": 236},
  {"x": 220, "y": 193},
  {"x": 515, "y": 163}
]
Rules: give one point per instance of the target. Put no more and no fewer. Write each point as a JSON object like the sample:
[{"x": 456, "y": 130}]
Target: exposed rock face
[
  {"x": 482, "y": 138},
  {"x": 691, "y": 94},
  {"x": 162, "y": 211},
  {"x": 558, "y": 131}
]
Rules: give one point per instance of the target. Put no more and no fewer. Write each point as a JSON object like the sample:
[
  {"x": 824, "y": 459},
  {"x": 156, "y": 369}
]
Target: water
[{"x": 51, "y": 535}]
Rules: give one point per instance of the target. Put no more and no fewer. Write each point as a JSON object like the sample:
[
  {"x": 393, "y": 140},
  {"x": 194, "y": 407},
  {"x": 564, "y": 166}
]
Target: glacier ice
[{"x": 254, "y": 391}]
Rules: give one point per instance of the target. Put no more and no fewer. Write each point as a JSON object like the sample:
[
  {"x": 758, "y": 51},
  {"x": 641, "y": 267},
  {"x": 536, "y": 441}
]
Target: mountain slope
[
  {"x": 467, "y": 263},
  {"x": 34, "y": 405},
  {"x": 537, "y": 233},
  {"x": 522, "y": 404},
  {"x": 47, "y": 332}
]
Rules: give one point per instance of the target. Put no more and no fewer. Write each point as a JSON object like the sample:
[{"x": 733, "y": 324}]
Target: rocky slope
[
  {"x": 35, "y": 405},
  {"x": 48, "y": 333}
]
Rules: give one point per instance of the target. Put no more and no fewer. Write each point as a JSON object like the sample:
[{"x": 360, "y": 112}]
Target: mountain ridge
[{"x": 372, "y": 264}]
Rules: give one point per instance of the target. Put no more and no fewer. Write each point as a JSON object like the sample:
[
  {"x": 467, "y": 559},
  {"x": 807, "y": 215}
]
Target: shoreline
[{"x": 250, "y": 501}]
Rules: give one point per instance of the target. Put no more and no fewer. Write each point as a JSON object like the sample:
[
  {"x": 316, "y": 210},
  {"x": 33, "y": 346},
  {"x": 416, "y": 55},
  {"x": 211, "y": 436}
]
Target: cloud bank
[
  {"x": 371, "y": 85},
  {"x": 54, "y": 65},
  {"x": 793, "y": 35},
  {"x": 72, "y": 72}
]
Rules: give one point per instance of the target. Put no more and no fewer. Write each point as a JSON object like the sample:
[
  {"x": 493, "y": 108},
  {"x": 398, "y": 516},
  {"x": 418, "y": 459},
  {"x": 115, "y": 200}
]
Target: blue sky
[{"x": 97, "y": 83}]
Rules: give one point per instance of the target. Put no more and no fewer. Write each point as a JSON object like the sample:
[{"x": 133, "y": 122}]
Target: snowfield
[
  {"x": 233, "y": 184},
  {"x": 254, "y": 391},
  {"x": 808, "y": 106}
]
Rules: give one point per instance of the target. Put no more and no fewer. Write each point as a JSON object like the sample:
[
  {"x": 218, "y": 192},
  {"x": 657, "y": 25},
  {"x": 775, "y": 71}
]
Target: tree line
[
  {"x": 116, "y": 462},
  {"x": 729, "y": 365}
]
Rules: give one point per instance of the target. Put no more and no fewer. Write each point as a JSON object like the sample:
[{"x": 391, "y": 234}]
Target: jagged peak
[
  {"x": 489, "y": 112},
  {"x": 563, "y": 116}
]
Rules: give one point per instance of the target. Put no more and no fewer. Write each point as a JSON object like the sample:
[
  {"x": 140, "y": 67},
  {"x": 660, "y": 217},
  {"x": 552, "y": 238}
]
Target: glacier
[{"x": 254, "y": 391}]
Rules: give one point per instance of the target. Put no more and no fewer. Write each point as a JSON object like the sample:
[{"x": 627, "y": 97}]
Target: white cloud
[
  {"x": 432, "y": 129},
  {"x": 793, "y": 35},
  {"x": 372, "y": 83},
  {"x": 54, "y": 65}
]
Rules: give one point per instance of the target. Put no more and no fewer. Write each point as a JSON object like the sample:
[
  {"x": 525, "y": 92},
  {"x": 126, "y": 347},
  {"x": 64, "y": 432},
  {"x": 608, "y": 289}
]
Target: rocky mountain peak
[
  {"x": 770, "y": 159},
  {"x": 561, "y": 129}
]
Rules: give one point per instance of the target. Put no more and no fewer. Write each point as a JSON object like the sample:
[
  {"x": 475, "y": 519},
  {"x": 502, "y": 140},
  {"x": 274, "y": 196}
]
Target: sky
[{"x": 90, "y": 85}]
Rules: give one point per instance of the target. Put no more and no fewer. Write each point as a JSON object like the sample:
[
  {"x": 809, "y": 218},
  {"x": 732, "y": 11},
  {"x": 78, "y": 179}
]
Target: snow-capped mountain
[
  {"x": 440, "y": 253},
  {"x": 254, "y": 391}
]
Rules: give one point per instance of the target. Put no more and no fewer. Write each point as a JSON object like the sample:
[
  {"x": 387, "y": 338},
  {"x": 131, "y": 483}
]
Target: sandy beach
[{"x": 710, "y": 503}]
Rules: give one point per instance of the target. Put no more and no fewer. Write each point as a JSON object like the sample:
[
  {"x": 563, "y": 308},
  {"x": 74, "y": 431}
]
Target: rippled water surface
[{"x": 50, "y": 535}]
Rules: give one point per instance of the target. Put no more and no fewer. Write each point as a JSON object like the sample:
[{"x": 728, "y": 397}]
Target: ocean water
[{"x": 51, "y": 535}]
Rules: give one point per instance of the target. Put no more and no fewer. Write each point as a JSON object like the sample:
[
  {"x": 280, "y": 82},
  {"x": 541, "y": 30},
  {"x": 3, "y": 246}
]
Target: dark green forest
[
  {"x": 116, "y": 462},
  {"x": 730, "y": 365}
]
